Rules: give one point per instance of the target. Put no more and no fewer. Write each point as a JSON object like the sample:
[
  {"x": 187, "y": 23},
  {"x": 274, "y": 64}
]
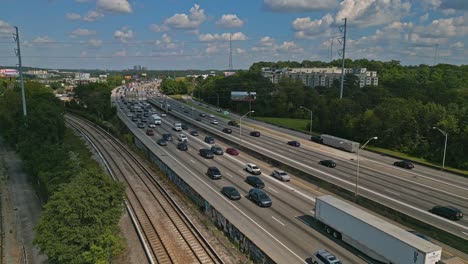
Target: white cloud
[
  {"x": 367, "y": 13},
  {"x": 82, "y": 32},
  {"x": 444, "y": 28},
  {"x": 290, "y": 46},
  {"x": 166, "y": 42},
  {"x": 92, "y": 15},
  {"x": 449, "y": 11},
  {"x": 158, "y": 28},
  {"x": 299, "y": 5},
  {"x": 458, "y": 45},
  {"x": 306, "y": 28},
  {"x": 120, "y": 53},
  {"x": 222, "y": 37},
  {"x": 6, "y": 28},
  {"x": 212, "y": 48},
  {"x": 423, "y": 17},
  {"x": 115, "y": 6},
  {"x": 42, "y": 39},
  {"x": 96, "y": 43},
  {"x": 230, "y": 21},
  {"x": 240, "y": 51},
  {"x": 83, "y": 54},
  {"x": 73, "y": 16},
  {"x": 184, "y": 21},
  {"x": 124, "y": 34}
]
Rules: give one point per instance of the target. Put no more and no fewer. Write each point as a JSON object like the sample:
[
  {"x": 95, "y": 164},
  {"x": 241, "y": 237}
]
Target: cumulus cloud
[
  {"x": 268, "y": 44},
  {"x": 124, "y": 34},
  {"x": 95, "y": 43},
  {"x": 73, "y": 16},
  {"x": 6, "y": 28},
  {"x": 458, "y": 45},
  {"x": 444, "y": 28},
  {"x": 166, "y": 42},
  {"x": 230, "y": 21},
  {"x": 115, "y": 6},
  {"x": 120, "y": 53},
  {"x": 289, "y": 46},
  {"x": 92, "y": 15},
  {"x": 367, "y": 13},
  {"x": 184, "y": 21},
  {"x": 299, "y": 5},
  {"x": 240, "y": 51},
  {"x": 43, "y": 39},
  {"x": 307, "y": 28},
  {"x": 222, "y": 37},
  {"x": 82, "y": 32},
  {"x": 423, "y": 17},
  {"x": 158, "y": 28}
]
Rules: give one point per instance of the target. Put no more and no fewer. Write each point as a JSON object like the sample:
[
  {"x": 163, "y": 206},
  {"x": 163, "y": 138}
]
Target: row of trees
[
  {"x": 83, "y": 205},
  {"x": 401, "y": 111}
]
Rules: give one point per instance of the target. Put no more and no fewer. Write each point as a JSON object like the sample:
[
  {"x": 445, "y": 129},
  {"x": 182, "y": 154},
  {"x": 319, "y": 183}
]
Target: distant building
[
  {"x": 137, "y": 68},
  {"x": 320, "y": 76},
  {"x": 41, "y": 74},
  {"x": 144, "y": 68}
]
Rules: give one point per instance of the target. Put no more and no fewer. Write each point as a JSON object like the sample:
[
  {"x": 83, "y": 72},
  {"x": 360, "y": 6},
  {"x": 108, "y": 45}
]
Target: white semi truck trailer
[
  {"x": 340, "y": 143},
  {"x": 373, "y": 236}
]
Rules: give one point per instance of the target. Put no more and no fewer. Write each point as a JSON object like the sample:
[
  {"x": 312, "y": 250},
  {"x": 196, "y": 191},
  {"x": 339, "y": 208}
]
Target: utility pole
[
  {"x": 20, "y": 69},
  {"x": 343, "y": 29},
  {"x": 330, "y": 56},
  {"x": 230, "y": 52}
]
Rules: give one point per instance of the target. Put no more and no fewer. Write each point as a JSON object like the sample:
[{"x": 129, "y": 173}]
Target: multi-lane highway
[{"x": 286, "y": 231}]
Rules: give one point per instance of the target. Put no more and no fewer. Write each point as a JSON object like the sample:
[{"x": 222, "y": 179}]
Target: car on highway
[
  {"x": 144, "y": 120},
  {"x": 134, "y": 119},
  {"x": 162, "y": 142},
  {"x": 214, "y": 122},
  {"x": 404, "y": 164},
  {"x": 209, "y": 140},
  {"x": 211, "y": 116},
  {"x": 194, "y": 133},
  {"x": 182, "y": 138},
  {"x": 163, "y": 115},
  {"x": 233, "y": 123},
  {"x": 184, "y": 126},
  {"x": 152, "y": 125},
  {"x": 150, "y": 132},
  {"x": 214, "y": 173},
  {"x": 141, "y": 125},
  {"x": 167, "y": 136},
  {"x": 217, "y": 150},
  {"x": 198, "y": 119},
  {"x": 255, "y": 182},
  {"x": 129, "y": 114},
  {"x": 202, "y": 114},
  {"x": 252, "y": 168},
  {"x": 316, "y": 139},
  {"x": 260, "y": 197},
  {"x": 255, "y": 134},
  {"x": 232, "y": 151},
  {"x": 328, "y": 163},
  {"x": 186, "y": 111},
  {"x": 206, "y": 153},
  {"x": 227, "y": 130},
  {"x": 231, "y": 192},
  {"x": 294, "y": 143},
  {"x": 280, "y": 175},
  {"x": 448, "y": 212},
  {"x": 182, "y": 146},
  {"x": 324, "y": 257}
]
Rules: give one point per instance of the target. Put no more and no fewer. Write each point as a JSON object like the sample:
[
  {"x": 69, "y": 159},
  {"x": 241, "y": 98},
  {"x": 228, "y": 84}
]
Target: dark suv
[
  {"x": 255, "y": 134},
  {"x": 328, "y": 163},
  {"x": 214, "y": 173},
  {"x": 233, "y": 123},
  {"x": 316, "y": 139},
  {"x": 259, "y": 197},
  {"x": 255, "y": 182},
  {"x": 448, "y": 212},
  {"x": 206, "y": 153},
  {"x": 404, "y": 164}
]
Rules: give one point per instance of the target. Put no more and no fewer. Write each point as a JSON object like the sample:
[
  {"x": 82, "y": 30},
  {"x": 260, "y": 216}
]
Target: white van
[{"x": 177, "y": 126}]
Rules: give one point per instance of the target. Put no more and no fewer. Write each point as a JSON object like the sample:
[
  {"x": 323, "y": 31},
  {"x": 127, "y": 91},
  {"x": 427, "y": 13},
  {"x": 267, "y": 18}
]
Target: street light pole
[
  {"x": 445, "y": 146},
  {"x": 240, "y": 126},
  {"x": 307, "y": 109},
  {"x": 357, "y": 171}
]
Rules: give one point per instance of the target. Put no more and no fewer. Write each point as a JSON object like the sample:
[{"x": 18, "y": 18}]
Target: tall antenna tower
[
  {"x": 230, "y": 52},
  {"x": 20, "y": 69},
  {"x": 343, "y": 29},
  {"x": 331, "y": 50}
]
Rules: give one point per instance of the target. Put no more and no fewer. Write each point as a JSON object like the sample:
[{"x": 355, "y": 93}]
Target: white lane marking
[
  {"x": 233, "y": 205},
  {"x": 229, "y": 174},
  {"x": 192, "y": 160},
  {"x": 390, "y": 191},
  {"x": 273, "y": 189},
  {"x": 277, "y": 220},
  {"x": 241, "y": 171}
]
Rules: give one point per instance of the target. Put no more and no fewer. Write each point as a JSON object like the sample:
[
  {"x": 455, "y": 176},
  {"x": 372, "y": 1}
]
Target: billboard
[
  {"x": 243, "y": 96},
  {"x": 9, "y": 72}
]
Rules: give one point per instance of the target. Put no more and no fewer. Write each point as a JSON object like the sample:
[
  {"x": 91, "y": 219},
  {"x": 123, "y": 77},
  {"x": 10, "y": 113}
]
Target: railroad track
[{"x": 167, "y": 234}]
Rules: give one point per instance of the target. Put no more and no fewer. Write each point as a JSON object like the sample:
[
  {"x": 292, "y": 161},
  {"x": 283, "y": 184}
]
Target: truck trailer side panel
[
  {"x": 373, "y": 236},
  {"x": 340, "y": 143}
]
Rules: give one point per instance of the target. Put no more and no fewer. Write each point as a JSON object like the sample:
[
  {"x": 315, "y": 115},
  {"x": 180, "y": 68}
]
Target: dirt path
[{"x": 20, "y": 210}]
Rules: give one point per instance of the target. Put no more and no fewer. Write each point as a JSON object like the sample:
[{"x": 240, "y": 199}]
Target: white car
[
  {"x": 280, "y": 175},
  {"x": 214, "y": 122},
  {"x": 163, "y": 115},
  {"x": 182, "y": 138},
  {"x": 211, "y": 116},
  {"x": 324, "y": 257},
  {"x": 129, "y": 114},
  {"x": 252, "y": 168},
  {"x": 152, "y": 125}
]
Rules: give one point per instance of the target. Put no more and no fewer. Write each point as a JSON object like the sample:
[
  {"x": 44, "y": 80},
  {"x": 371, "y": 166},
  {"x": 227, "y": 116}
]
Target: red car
[
  {"x": 150, "y": 132},
  {"x": 232, "y": 151}
]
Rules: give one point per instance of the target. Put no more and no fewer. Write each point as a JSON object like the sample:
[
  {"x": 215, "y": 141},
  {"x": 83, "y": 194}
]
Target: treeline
[
  {"x": 401, "y": 111},
  {"x": 82, "y": 204}
]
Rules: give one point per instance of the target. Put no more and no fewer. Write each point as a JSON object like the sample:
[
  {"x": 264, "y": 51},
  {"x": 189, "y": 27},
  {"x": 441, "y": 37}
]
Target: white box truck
[
  {"x": 177, "y": 126},
  {"x": 340, "y": 143},
  {"x": 373, "y": 236},
  {"x": 156, "y": 119}
]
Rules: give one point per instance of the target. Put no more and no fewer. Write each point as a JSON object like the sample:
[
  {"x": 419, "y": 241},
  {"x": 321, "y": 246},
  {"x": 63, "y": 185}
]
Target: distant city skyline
[{"x": 179, "y": 35}]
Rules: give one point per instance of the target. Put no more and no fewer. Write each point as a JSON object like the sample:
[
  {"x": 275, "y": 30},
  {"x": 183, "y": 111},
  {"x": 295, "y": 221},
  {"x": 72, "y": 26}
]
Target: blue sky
[{"x": 185, "y": 34}]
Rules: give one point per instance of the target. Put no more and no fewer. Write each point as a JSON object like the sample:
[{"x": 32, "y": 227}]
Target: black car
[
  {"x": 167, "y": 137},
  {"x": 448, "y": 212},
  {"x": 209, "y": 140},
  {"x": 202, "y": 114},
  {"x": 206, "y": 153},
  {"x": 144, "y": 120},
  {"x": 255, "y": 182},
  {"x": 186, "y": 111},
  {"x": 316, "y": 139},
  {"x": 231, "y": 193},
  {"x": 162, "y": 142},
  {"x": 182, "y": 146},
  {"x": 260, "y": 197},
  {"x": 198, "y": 119},
  {"x": 404, "y": 164},
  {"x": 214, "y": 173},
  {"x": 141, "y": 125},
  {"x": 146, "y": 114},
  {"x": 184, "y": 127},
  {"x": 294, "y": 143},
  {"x": 227, "y": 130},
  {"x": 194, "y": 133},
  {"x": 134, "y": 119},
  {"x": 255, "y": 133},
  {"x": 328, "y": 163},
  {"x": 217, "y": 150},
  {"x": 233, "y": 123}
]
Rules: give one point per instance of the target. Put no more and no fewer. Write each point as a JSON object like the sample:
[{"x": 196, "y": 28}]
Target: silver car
[{"x": 280, "y": 175}]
